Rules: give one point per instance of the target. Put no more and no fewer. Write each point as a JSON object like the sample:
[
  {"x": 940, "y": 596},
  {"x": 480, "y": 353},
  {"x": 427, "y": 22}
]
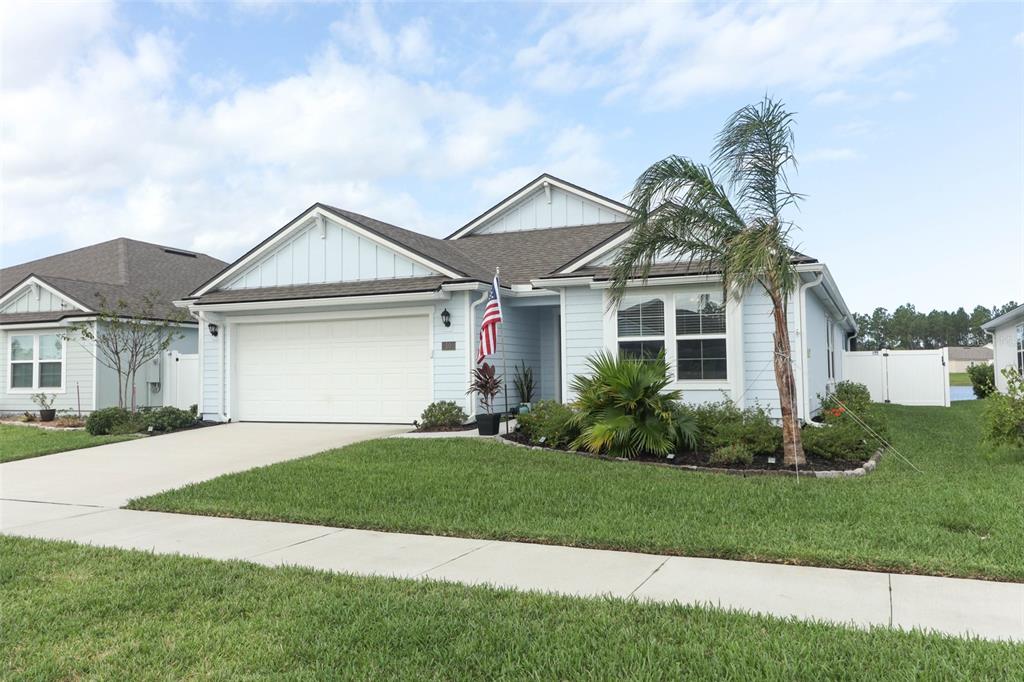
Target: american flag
[{"x": 489, "y": 325}]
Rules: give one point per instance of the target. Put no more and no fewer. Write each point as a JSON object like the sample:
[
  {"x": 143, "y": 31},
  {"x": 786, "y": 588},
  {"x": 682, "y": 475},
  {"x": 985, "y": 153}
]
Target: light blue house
[
  {"x": 40, "y": 301},
  {"x": 341, "y": 317}
]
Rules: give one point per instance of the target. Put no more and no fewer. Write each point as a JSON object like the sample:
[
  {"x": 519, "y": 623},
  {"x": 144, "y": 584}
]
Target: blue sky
[{"x": 208, "y": 125}]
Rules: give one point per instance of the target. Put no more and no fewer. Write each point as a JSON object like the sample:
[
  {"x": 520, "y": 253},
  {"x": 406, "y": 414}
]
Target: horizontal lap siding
[
  {"x": 584, "y": 331},
  {"x": 519, "y": 340},
  {"x": 816, "y": 352},
  {"x": 758, "y": 349},
  {"x": 78, "y": 376},
  {"x": 211, "y": 381},
  {"x": 450, "y": 377}
]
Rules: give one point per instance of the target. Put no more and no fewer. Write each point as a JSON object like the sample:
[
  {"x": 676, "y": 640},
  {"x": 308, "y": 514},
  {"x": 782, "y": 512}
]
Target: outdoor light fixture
[
  {"x": 213, "y": 329},
  {"x": 446, "y": 317}
]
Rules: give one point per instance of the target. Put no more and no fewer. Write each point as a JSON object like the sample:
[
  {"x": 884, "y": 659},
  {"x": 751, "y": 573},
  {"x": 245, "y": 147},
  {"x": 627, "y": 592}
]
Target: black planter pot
[
  {"x": 47, "y": 415},
  {"x": 487, "y": 424}
]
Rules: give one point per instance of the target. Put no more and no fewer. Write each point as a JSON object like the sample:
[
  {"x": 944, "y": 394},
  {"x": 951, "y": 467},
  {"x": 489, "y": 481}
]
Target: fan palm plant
[{"x": 682, "y": 210}]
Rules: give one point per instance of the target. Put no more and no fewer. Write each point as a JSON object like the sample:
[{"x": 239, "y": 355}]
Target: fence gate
[
  {"x": 181, "y": 380},
  {"x": 904, "y": 377}
]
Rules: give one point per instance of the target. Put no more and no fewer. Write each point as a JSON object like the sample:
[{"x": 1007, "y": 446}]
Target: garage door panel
[{"x": 374, "y": 370}]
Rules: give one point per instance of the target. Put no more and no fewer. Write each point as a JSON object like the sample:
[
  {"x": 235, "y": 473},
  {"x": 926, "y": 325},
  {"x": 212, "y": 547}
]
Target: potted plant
[
  {"x": 525, "y": 386},
  {"x": 485, "y": 383},
  {"x": 45, "y": 403}
]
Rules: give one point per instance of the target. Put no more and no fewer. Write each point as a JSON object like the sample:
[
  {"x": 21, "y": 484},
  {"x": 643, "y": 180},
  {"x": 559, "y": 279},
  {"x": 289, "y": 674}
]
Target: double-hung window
[
  {"x": 1020, "y": 349},
  {"x": 700, "y": 336},
  {"x": 36, "y": 361},
  {"x": 641, "y": 327}
]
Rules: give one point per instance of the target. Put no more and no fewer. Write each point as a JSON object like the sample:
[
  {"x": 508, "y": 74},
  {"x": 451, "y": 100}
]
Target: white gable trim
[
  {"x": 597, "y": 254},
  {"x": 304, "y": 221},
  {"x": 35, "y": 281},
  {"x": 542, "y": 181}
]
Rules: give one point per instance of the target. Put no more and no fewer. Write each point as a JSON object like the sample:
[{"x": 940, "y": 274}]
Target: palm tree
[{"x": 682, "y": 211}]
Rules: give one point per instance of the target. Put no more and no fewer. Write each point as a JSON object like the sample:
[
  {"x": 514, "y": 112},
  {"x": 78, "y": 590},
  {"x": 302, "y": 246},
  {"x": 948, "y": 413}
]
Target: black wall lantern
[
  {"x": 213, "y": 329},
  {"x": 446, "y": 318}
]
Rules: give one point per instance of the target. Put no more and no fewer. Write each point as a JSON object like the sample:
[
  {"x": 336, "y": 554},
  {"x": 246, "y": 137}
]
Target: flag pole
[{"x": 501, "y": 346}]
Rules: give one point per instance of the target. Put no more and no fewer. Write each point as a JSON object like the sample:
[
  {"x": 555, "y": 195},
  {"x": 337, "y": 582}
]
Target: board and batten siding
[
  {"x": 36, "y": 299},
  {"x": 79, "y": 375},
  {"x": 333, "y": 253},
  {"x": 550, "y": 378},
  {"x": 537, "y": 212}
]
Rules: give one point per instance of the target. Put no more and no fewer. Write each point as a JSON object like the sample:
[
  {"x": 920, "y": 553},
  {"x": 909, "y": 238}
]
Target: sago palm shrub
[{"x": 625, "y": 408}]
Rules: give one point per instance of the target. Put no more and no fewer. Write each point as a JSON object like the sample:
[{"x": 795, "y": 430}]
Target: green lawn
[
  {"x": 961, "y": 516},
  {"x": 74, "y": 612},
  {"x": 21, "y": 442},
  {"x": 959, "y": 379}
]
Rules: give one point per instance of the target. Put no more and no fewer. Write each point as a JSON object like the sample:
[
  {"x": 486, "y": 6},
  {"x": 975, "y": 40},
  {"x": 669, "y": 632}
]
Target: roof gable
[
  {"x": 320, "y": 221},
  {"x": 35, "y": 295},
  {"x": 546, "y": 202},
  {"x": 324, "y": 251}
]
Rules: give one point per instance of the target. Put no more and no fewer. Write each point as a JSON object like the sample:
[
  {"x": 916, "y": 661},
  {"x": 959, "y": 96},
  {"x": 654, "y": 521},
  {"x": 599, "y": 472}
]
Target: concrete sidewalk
[{"x": 946, "y": 605}]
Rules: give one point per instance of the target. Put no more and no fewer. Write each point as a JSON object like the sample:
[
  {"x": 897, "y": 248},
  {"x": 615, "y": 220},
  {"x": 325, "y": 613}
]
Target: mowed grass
[
  {"x": 959, "y": 379},
  {"x": 961, "y": 515},
  {"x": 75, "y": 612},
  {"x": 22, "y": 442}
]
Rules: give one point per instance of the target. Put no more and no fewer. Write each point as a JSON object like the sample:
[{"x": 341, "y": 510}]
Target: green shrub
[
  {"x": 550, "y": 423},
  {"x": 113, "y": 421},
  {"x": 983, "y": 380},
  {"x": 1004, "y": 413},
  {"x": 625, "y": 408},
  {"x": 723, "y": 423},
  {"x": 843, "y": 440},
  {"x": 851, "y": 395},
  {"x": 737, "y": 453},
  {"x": 442, "y": 415},
  {"x": 850, "y": 404},
  {"x": 168, "y": 419}
]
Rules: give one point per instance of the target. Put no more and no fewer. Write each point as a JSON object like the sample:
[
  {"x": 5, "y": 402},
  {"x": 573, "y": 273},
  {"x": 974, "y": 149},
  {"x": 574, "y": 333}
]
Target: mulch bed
[
  {"x": 464, "y": 427},
  {"x": 695, "y": 461}
]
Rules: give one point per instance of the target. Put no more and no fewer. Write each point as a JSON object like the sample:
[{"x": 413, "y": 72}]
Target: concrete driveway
[{"x": 110, "y": 475}]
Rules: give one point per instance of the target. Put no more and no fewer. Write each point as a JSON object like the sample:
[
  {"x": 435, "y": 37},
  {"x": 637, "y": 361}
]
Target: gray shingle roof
[
  {"x": 119, "y": 269},
  {"x": 970, "y": 353},
  {"x": 401, "y": 285}
]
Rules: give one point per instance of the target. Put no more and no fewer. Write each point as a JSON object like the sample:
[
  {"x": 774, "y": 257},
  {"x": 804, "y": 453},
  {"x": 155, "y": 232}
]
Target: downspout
[
  {"x": 470, "y": 325},
  {"x": 805, "y": 400}
]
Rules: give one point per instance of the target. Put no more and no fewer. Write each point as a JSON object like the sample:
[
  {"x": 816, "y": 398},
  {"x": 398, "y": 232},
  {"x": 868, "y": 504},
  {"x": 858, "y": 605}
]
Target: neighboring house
[
  {"x": 41, "y": 299},
  {"x": 962, "y": 357},
  {"x": 1007, "y": 332},
  {"x": 341, "y": 317}
]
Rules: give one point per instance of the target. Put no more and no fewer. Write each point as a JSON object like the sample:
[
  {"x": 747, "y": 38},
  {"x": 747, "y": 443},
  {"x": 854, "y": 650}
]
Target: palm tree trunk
[{"x": 792, "y": 447}]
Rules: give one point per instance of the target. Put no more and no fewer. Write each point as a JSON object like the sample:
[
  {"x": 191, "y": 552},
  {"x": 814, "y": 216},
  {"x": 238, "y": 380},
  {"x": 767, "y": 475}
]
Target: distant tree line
[{"x": 908, "y": 328}]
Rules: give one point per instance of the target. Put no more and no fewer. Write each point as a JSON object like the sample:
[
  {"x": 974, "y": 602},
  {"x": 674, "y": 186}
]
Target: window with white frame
[
  {"x": 700, "y": 336},
  {"x": 830, "y": 348},
  {"x": 36, "y": 361},
  {"x": 641, "y": 327},
  {"x": 1020, "y": 348}
]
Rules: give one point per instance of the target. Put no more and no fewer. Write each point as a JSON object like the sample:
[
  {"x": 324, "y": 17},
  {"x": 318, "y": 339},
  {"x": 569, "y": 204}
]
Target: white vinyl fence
[
  {"x": 181, "y": 380},
  {"x": 904, "y": 377}
]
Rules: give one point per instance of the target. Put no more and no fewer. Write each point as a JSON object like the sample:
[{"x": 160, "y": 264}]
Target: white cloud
[
  {"x": 575, "y": 153},
  {"x": 1019, "y": 39},
  {"x": 830, "y": 154},
  {"x": 411, "y": 47},
  {"x": 100, "y": 144},
  {"x": 668, "y": 52},
  {"x": 901, "y": 96}
]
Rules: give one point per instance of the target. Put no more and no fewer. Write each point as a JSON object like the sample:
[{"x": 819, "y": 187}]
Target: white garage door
[{"x": 352, "y": 370}]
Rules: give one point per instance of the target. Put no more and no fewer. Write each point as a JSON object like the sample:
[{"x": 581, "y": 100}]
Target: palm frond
[{"x": 754, "y": 150}]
